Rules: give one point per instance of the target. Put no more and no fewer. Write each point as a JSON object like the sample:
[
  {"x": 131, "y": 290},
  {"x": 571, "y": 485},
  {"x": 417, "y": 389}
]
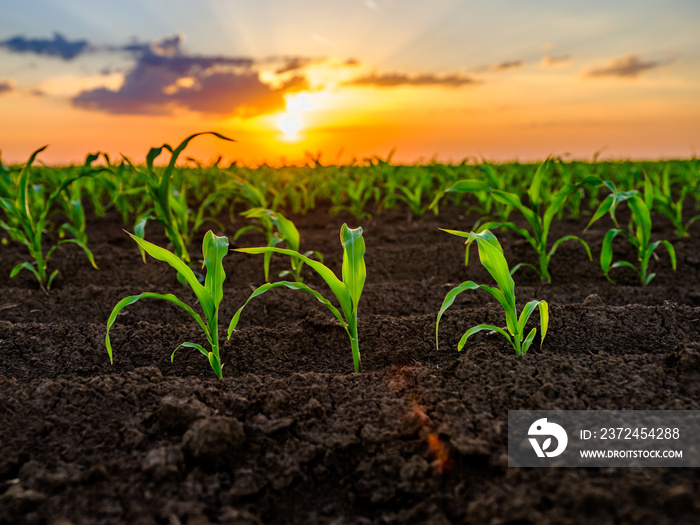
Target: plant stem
[
  {"x": 355, "y": 345},
  {"x": 214, "y": 334},
  {"x": 544, "y": 271}
]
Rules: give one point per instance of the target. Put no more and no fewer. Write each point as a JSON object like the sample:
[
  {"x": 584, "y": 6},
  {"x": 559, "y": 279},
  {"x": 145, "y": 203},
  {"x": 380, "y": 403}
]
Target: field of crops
[{"x": 339, "y": 400}]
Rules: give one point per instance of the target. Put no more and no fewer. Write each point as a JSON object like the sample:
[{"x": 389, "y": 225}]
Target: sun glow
[
  {"x": 293, "y": 120},
  {"x": 289, "y": 124}
]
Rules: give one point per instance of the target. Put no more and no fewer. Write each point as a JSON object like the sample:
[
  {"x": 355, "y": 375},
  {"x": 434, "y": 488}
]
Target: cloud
[
  {"x": 389, "y": 80},
  {"x": 511, "y": 64},
  {"x": 551, "y": 61},
  {"x": 296, "y": 63},
  {"x": 57, "y": 47},
  {"x": 164, "y": 78},
  {"x": 6, "y": 86},
  {"x": 630, "y": 66}
]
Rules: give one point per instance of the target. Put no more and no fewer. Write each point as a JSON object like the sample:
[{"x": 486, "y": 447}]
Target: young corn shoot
[
  {"x": 165, "y": 209},
  {"x": 214, "y": 248},
  {"x": 538, "y": 213},
  {"x": 673, "y": 209},
  {"x": 492, "y": 258},
  {"x": 347, "y": 291},
  {"x": 278, "y": 229},
  {"x": 26, "y": 219},
  {"x": 638, "y": 231}
]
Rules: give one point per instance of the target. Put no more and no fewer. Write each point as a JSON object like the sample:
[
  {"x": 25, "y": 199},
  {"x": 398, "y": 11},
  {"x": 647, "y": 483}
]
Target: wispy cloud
[
  {"x": 296, "y": 63},
  {"x": 59, "y": 46},
  {"x": 165, "y": 78},
  {"x": 558, "y": 60},
  {"x": 630, "y": 67},
  {"x": 6, "y": 86},
  {"x": 389, "y": 80},
  {"x": 510, "y": 64}
]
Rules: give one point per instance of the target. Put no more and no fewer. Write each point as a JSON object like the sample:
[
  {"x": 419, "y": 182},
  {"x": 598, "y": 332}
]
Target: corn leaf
[
  {"x": 606, "y": 252},
  {"x": 544, "y": 319},
  {"x": 189, "y": 345},
  {"x": 525, "y": 315},
  {"x": 293, "y": 286},
  {"x": 642, "y": 218},
  {"x": 669, "y": 248},
  {"x": 203, "y": 295},
  {"x": 214, "y": 248},
  {"x": 148, "y": 295},
  {"x": 570, "y": 238},
  {"x": 479, "y": 328},
  {"x": 528, "y": 341},
  {"x": 536, "y": 183},
  {"x": 22, "y": 199},
  {"x": 339, "y": 289},
  {"x": 469, "y": 285},
  {"x": 354, "y": 269}
]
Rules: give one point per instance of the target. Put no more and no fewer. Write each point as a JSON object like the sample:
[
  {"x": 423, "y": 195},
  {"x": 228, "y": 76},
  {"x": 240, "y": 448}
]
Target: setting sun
[{"x": 290, "y": 125}]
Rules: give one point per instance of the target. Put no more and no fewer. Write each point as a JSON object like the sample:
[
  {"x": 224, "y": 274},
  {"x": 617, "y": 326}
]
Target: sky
[{"x": 347, "y": 80}]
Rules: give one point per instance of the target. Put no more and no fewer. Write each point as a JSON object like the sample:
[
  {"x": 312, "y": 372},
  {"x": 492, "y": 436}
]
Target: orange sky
[{"x": 425, "y": 82}]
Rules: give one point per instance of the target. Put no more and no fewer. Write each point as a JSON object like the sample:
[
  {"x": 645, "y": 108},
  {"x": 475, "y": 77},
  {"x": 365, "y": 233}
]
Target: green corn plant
[
  {"x": 209, "y": 295},
  {"x": 638, "y": 231},
  {"x": 412, "y": 194},
  {"x": 538, "y": 213},
  {"x": 26, "y": 221},
  {"x": 353, "y": 193},
  {"x": 673, "y": 208},
  {"x": 492, "y": 258},
  {"x": 278, "y": 229},
  {"x": 250, "y": 188},
  {"x": 71, "y": 200},
  {"x": 191, "y": 220},
  {"x": 165, "y": 208},
  {"x": 347, "y": 291}
]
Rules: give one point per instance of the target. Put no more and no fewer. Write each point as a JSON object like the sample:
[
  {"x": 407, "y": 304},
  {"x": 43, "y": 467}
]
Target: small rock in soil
[
  {"x": 593, "y": 300},
  {"x": 213, "y": 442},
  {"x": 178, "y": 414}
]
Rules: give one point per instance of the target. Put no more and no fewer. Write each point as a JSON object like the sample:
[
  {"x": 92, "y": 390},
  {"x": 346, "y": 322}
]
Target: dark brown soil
[{"x": 291, "y": 435}]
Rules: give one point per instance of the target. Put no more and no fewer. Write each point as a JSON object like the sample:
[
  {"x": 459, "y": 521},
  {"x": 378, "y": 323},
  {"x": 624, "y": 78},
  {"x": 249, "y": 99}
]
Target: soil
[{"x": 291, "y": 434}]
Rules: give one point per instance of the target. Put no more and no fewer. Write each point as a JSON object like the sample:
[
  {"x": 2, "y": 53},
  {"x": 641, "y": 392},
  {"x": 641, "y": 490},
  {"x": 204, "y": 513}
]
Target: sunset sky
[{"x": 445, "y": 79}]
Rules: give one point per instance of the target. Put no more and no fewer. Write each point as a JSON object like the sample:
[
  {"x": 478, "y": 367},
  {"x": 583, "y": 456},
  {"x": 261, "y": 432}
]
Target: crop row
[{"x": 36, "y": 200}]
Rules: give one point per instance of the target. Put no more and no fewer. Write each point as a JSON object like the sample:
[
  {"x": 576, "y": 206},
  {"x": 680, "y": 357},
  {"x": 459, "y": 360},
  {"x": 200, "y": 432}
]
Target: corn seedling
[
  {"x": 638, "y": 231},
  {"x": 209, "y": 295},
  {"x": 26, "y": 221},
  {"x": 673, "y": 208},
  {"x": 353, "y": 194},
  {"x": 492, "y": 258},
  {"x": 347, "y": 291},
  {"x": 166, "y": 210},
  {"x": 538, "y": 214},
  {"x": 278, "y": 229}
]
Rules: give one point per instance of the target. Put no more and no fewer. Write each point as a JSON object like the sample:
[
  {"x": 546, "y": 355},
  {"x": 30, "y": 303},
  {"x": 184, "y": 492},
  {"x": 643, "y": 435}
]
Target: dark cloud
[
  {"x": 164, "y": 78},
  {"x": 388, "y": 80},
  {"x": 296, "y": 63},
  {"x": 6, "y": 86},
  {"x": 351, "y": 62},
  {"x": 57, "y": 47},
  {"x": 511, "y": 64},
  {"x": 630, "y": 66},
  {"x": 550, "y": 61}
]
